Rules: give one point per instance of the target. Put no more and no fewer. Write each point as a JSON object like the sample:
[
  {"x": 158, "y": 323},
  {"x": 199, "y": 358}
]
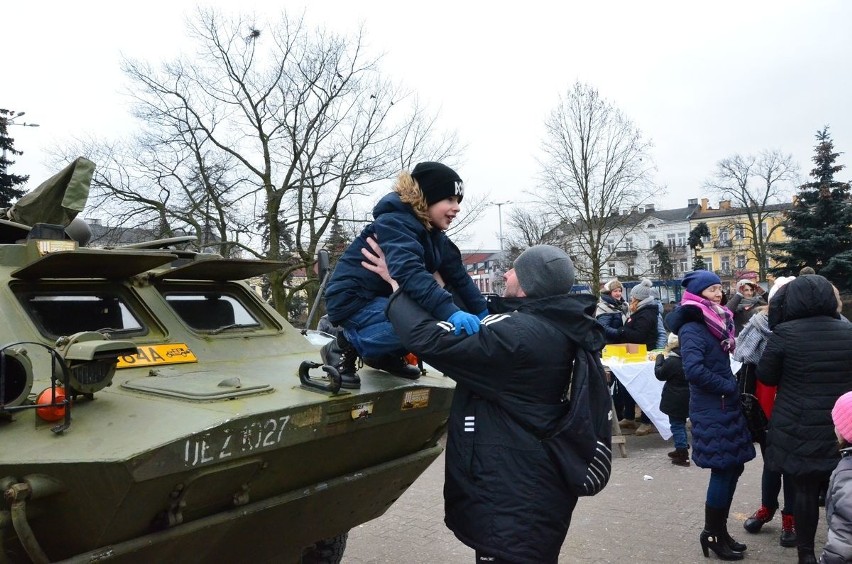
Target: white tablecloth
[
  {"x": 638, "y": 378},
  {"x": 646, "y": 390}
]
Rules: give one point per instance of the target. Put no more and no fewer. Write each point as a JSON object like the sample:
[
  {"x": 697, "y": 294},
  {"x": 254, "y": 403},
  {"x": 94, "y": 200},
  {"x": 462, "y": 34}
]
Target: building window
[
  {"x": 631, "y": 270},
  {"x": 654, "y": 267},
  {"x": 763, "y": 230},
  {"x": 628, "y": 243},
  {"x": 741, "y": 261},
  {"x": 670, "y": 237},
  {"x": 739, "y": 232},
  {"x": 726, "y": 264},
  {"x": 681, "y": 239},
  {"x": 723, "y": 235},
  {"x": 652, "y": 241},
  {"x": 611, "y": 267},
  {"x": 682, "y": 265},
  {"x": 708, "y": 263},
  {"x": 610, "y": 246}
]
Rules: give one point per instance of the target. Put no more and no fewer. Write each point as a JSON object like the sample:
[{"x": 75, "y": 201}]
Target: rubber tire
[{"x": 326, "y": 551}]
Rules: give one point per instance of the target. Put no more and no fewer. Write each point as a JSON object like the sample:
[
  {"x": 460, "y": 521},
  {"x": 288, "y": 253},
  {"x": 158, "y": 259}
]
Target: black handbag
[{"x": 755, "y": 417}]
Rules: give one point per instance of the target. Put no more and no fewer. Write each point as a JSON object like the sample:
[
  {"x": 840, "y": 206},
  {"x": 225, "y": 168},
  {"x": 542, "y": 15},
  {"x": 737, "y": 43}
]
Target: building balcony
[
  {"x": 723, "y": 244},
  {"x": 626, "y": 254}
]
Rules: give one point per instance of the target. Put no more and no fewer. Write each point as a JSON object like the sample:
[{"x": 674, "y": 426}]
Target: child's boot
[
  {"x": 340, "y": 354},
  {"x": 680, "y": 457}
]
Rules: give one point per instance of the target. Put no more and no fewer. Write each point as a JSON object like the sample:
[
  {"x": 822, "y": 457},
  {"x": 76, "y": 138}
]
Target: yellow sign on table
[{"x": 627, "y": 352}]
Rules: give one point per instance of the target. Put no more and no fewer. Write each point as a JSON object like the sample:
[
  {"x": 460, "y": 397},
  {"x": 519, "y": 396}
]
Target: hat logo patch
[{"x": 459, "y": 188}]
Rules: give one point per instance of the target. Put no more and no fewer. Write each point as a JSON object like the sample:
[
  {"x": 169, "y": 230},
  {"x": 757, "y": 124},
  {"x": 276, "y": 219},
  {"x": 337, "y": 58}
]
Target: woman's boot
[
  {"x": 760, "y": 517},
  {"x": 735, "y": 546},
  {"x": 714, "y": 536},
  {"x": 788, "y": 530}
]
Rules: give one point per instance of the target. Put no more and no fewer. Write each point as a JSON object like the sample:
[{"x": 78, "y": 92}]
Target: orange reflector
[
  {"x": 50, "y": 412},
  {"x": 411, "y": 359}
]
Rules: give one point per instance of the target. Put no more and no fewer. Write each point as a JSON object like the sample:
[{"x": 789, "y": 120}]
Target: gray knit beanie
[
  {"x": 642, "y": 290},
  {"x": 544, "y": 271}
]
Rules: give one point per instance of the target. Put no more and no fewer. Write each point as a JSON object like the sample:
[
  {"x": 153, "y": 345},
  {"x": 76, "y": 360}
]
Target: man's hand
[{"x": 376, "y": 262}]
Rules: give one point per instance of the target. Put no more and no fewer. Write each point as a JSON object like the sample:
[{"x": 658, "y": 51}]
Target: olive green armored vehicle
[{"x": 154, "y": 409}]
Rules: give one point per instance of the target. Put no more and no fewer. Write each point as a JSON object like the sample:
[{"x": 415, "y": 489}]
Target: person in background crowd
[
  {"x": 612, "y": 310},
  {"x": 743, "y": 303},
  {"x": 410, "y": 224},
  {"x": 503, "y": 495},
  {"x": 806, "y": 270},
  {"x": 809, "y": 357},
  {"x": 640, "y": 327},
  {"x": 720, "y": 437},
  {"x": 611, "y": 313},
  {"x": 750, "y": 345},
  {"x": 838, "y": 501},
  {"x": 675, "y": 398}
]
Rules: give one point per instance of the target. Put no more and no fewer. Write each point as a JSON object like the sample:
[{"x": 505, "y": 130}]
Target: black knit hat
[{"x": 437, "y": 182}]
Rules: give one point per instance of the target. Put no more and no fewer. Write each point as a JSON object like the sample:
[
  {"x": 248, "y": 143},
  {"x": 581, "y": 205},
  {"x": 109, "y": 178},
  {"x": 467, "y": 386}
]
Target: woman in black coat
[{"x": 809, "y": 357}]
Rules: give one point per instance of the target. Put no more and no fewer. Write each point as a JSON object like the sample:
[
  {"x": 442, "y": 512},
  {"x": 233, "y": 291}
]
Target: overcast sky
[{"x": 702, "y": 80}]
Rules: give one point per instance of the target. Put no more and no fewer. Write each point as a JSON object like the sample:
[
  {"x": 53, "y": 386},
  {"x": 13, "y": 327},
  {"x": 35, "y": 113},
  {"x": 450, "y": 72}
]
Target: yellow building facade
[{"x": 729, "y": 251}]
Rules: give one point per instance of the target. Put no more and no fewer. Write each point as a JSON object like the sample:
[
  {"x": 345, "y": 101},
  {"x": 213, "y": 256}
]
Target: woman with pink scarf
[{"x": 720, "y": 436}]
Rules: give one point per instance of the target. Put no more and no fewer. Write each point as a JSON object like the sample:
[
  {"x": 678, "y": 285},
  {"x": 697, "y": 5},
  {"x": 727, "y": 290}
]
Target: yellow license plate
[{"x": 148, "y": 355}]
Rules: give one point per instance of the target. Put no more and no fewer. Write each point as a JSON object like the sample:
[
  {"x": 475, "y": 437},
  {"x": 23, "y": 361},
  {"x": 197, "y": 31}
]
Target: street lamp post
[
  {"x": 500, "y": 219},
  {"x": 9, "y": 120}
]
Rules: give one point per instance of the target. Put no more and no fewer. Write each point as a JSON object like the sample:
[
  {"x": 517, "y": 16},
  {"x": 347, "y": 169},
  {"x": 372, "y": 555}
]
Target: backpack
[{"x": 581, "y": 445}]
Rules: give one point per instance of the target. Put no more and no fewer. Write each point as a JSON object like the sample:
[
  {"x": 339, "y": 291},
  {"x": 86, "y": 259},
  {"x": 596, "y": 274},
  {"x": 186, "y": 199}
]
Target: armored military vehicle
[{"x": 154, "y": 409}]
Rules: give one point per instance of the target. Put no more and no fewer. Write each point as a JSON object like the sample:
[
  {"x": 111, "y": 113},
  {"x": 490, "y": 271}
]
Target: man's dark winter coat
[
  {"x": 413, "y": 253},
  {"x": 502, "y": 493},
  {"x": 720, "y": 436},
  {"x": 809, "y": 357}
]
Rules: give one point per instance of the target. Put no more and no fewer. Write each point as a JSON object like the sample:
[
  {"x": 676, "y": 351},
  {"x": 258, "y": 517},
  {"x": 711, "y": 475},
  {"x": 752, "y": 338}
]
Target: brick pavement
[{"x": 633, "y": 520}]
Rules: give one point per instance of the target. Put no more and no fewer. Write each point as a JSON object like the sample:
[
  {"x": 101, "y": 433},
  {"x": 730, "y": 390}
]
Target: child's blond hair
[{"x": 409, "y": 192}]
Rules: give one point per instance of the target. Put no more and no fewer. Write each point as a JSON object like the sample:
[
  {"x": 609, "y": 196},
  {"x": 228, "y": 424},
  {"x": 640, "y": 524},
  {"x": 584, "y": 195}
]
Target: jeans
[
  {"x": 370, "y": 332},
  {"x": 678, "y": 427},
  {"x": 723, "y": 484}
]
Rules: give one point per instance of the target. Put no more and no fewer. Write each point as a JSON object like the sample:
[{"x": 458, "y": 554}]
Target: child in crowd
[
  {"x": 675, "y": 400},
  {"x": 838, "y": 501},
  {"x": 409, "y": 223}
]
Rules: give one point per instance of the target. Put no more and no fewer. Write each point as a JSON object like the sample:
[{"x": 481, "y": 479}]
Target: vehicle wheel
[{"x": 326, "y": 551}]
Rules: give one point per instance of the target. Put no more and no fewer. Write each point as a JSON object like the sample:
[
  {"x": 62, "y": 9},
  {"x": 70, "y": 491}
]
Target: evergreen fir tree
[
  {"x": 8, "y": 182},
  {"x": 696, "y": 243},
  {"x": 338, "y": 240},
  {"x": 664, "y": 260},
  {"x": 818, "y": 224}
]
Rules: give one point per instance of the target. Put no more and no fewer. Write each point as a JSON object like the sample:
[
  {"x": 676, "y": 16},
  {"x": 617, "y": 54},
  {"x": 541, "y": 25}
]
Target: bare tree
[
  {"x": 596, "y": 165},
  {"x": 528, "y": 227},
  {"x": 266, "y": 134},
  {"x": 756, "y": 185}
]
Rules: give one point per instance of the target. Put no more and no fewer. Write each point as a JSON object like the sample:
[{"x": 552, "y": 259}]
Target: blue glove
[
  {"x": 463, "y": 320},
  {"x": 482, "y": 314}
]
